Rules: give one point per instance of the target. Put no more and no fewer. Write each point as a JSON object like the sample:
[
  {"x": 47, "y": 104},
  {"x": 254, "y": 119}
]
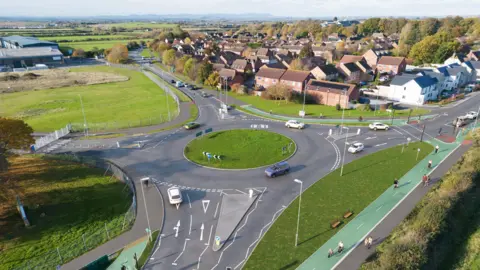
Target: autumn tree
[
  {"x": 279, "y": 92},
  {"x": 213, "y": 79},
  {"x": 162, "y": 47},
  {"x": 14, "y": 134},
  {"x": 297, "y": 64},
  {"x": 306, "y": 51},
  {"x": 189, "y": 68},
  {"x": 168, "y": 57},
  {"x": 118, "y": 54},
  {"x": 204, "y": 71},
  {"x": 78, "y": 53},
  {"x": 180, "y": 63},
  {"x": 187, "y": 40}
]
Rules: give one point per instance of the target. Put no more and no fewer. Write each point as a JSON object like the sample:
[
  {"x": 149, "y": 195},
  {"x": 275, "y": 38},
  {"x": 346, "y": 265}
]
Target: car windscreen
[{"x": 176, "y": 197}]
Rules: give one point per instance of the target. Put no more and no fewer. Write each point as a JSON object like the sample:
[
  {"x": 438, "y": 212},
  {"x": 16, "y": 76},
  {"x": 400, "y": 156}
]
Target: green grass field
[
  {"x": 326, "y": 200},
  {"x": 104, "y": 44},
  {"x": 239, "y": 149},
  {"x": 132, "y": 25},
  {"x": 63, "y": 201},
  {"x": 292, "y": 109},
  {"x": 136, "y": 102},
  {"x": 85, "y": 37}
]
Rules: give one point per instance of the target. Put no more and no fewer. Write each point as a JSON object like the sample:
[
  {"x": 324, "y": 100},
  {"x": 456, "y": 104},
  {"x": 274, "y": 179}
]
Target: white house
[
  {"x": 455, "y": 76},
  {"x": 413, "y": 89},
  {"x": 473, "y": 67}
]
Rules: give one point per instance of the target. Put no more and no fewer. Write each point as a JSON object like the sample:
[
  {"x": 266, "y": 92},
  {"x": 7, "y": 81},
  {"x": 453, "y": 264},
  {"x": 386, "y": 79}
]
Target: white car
[
  {"x": 471, "y": 115},
  {"x": 384, "y": 78},
  {"x": 355, "y": 147},
  {"x": 174, "y": 195},
  {"x": 294, "y": 124},
  {"x": 378, "y": 126}
]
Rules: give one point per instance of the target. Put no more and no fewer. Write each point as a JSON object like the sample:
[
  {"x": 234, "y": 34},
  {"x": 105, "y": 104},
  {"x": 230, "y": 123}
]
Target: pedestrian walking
[
  {"x": 424, "y": 180},
  {"x": 439, "y": 131},
  {"x": 370, "y": 241},
  {"x": 429, "y": 166},
  {"x": 340, "y": 247},
  {"x": 366, "y": 242},
  {"x": 436, "y": 149},
  {"x": 330, "y": 252},
  {"x": 428, "y": 181},
  {"x": 395, "y": 183}
]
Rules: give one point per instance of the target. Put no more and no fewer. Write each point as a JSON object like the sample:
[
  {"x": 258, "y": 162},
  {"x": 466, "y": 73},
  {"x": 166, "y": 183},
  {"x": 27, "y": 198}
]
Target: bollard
[
  {"x": 118, "y": 145},
  {"x": 250, "y": 193},
  {"x": 358, "y": 132},
  {"x": 217, "y": 240}
]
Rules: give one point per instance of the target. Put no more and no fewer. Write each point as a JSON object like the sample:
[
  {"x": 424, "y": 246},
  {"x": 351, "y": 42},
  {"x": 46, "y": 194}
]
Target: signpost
[{"x": 301, "y": 113}]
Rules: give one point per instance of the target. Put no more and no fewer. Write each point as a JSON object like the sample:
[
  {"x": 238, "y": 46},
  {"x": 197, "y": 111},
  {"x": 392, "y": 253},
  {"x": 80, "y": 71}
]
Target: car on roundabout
[
  {"x": 471, "y": 115},
  {"x": 294, "y": 124},
  {"x": 174, "y": 195},
  {"x": 356, "y": 147},
  {"x": 204, "y": 95},
  {"x": 378, "y": 126},
  {"x": 191, "y": 125},
  {"x": 277, "y": 169}
]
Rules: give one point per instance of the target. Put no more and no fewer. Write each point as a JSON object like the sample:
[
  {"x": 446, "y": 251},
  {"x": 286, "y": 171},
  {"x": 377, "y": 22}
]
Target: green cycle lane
[
  {"x": 396, "y": 122},
  {"x": 360, "y": 226}
]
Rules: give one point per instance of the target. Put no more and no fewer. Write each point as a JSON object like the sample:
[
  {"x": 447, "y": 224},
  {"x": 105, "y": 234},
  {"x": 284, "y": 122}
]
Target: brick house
[
  {"x": 327, "y": 72},
  {"x": 372, "y": 56},
  {"x": 296, "y": 79},
  {"x": 391, "y": 65},
  {"x": 231, "y": 76},
  {"x": 332, "y": 93},
  {"x": 267, "y": 77},
  {"x": 351, "y": 58},
  {"x": 350, "y": 71},
  {"x": 241, "y": 65}
]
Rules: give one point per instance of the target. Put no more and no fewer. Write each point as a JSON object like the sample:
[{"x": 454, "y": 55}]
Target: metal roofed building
[
  {"x": 23, "y": 58},
  {"x": 20, "y": 42}
]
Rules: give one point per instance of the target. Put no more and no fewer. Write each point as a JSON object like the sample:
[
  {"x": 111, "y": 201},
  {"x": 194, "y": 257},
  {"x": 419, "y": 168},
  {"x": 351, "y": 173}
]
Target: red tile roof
[
  {"x": 295, "y": 75},
  {"x": 271, "y": 73},
  {"x": 390, "y": 60},
  {"x": 351, "y": 58}
]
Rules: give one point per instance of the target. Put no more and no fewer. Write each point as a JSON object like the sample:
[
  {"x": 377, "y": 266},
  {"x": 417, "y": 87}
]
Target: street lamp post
[
  {"x": 304, "y": 94},
  {"x": 343, "y": 114},
  {"x": 85, "y": 127},
  {"x": 344, "y": 151},
  {"x": 299, "y": 204},
  {"x": 145, "y": 203},
  {"x": 476, "y": 118}
]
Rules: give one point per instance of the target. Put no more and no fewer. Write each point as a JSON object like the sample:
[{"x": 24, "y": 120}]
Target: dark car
[
  {"x": 192, "y": 87},
  {"x": 173, "y": 81},
  {"x": 191, "y": 125},
  {"x": 278, "y": 169}
]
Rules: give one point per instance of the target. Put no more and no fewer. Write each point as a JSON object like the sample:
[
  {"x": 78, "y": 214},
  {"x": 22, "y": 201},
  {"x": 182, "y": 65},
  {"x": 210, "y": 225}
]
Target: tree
[
  {"x": 180, "y": 63},
  {"x": 335, "y": 19},
  {"x": 424, "y": 51},
  {"x": 306, "y": 51},
  {"x": 213, "y": 79},
  {"x": 189, "y": 68},
  {"x": 187, "y": 40},
  {"x": 78, "y": 53},
  {"x": 168, "y": 57},
  {"x": 340, "y": 46},
  {"x": 429, "y": 27},
  {"x": 370, "y": 26},
  {"x": 204, "y": 71},
  {"x": 14, "y": 134},
  {"x": 162, "y": 47},
  {"x": 445, "y": 51},
  {"x": 297, "y": 64},
  {"x": 239, "y": 89},
  {"x": 118, "y": 54},
  {"x": 279, "y": 92}
]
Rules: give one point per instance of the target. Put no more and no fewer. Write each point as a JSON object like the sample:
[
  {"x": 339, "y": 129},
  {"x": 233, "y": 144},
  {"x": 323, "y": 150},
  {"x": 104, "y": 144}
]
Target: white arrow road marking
[
  {"x": 377, "y": 145},
  {"x": 205, "y": 204},
  {"x": 176, "y": 228},
  {"x": 201, "y": 232},
  {"x": 190, "y": 230},
  {"x": 184, "y": 246}
]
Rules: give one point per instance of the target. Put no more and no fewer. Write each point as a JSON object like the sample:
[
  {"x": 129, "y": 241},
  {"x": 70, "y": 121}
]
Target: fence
[
  {"x": 51, "y": 137},
  {"x": 88, "y": 240}
]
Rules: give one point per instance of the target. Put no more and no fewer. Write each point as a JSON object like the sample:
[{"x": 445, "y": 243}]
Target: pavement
[
  {"x": 188, "y": 231},
  {"x": 128, "y": 255}
]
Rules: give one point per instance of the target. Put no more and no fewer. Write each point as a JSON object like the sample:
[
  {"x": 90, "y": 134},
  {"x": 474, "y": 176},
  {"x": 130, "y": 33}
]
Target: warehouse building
[
  {"x": 19, "y": 42},
  {"x": 29, "y": 57}
]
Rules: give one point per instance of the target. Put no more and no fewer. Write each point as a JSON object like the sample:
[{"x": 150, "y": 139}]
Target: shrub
[
  {"x": 460, "y": 96},
  {"x": 298, "y": 98},
  {"x": 338, "y": 107}
]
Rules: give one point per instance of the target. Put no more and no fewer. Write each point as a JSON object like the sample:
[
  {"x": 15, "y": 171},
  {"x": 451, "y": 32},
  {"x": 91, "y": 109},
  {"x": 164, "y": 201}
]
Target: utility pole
[
  {"x": 344, "y": 150},
  {"x": 85, "y": 127},
  {"x": 304, "y": 94},
  {"x": 423, "y": 131},
  {"x": 343, "y": 114},
  {"x": 393, "y": 116},
  {"x": 299, "y": 206},
  {"x": 476, "y": 118},
  {"x": 409, "y": 114}
]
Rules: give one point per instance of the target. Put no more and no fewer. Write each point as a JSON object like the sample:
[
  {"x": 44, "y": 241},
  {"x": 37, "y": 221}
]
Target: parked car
[
  {"x": 179, "y": 84},
  {"x": 356, "y": 147},
  {"x": 172, "y": 81},
  {"x": 378, "y": 126},
  {"x": 174, "y": 195},
  {"x": 471, "y": 115},
  {"x": 191, "y": 125},
  {"x": 192, "y": 87},
  {"x": 186, "y": 85},
  {"x": 294, "y": 124},
  {"x": 278, "y": 169}
]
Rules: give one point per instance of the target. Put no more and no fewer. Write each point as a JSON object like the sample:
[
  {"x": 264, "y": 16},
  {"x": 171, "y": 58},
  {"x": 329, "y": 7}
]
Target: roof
[
  {"x": 363, "y": 64},
  {"x": 218, "y": 66},
  {"x": 328, "y": 69},
  {"x": 295, "y": 75},
  {"x": 351, "y": 58},
  {"x": 400, "y": 80},
  {"x": 262, "y": 52},
  {"x": 272, "y": 73},
  {"x": 425, "y": 81},
  {"x": 29, "y": 52},
  {"x": 390, "y": 60},
  {"x": 351, "y": 66},
  {"x": 28, "y": 41},
  {"x": 277, "y": 65},
  {"x": 226, "y": 72},
  {"x": 334, "y": 87},
  {"x": 239, "y": 64}
]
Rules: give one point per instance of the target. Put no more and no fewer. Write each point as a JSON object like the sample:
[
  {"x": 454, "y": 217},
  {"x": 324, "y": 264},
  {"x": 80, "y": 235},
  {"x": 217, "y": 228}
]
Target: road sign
[
  {"x": 208, "y": 130},
  {"x": 199, "y": 134}
]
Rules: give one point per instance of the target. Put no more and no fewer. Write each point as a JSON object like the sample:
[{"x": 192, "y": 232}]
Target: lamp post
[
  {"x": 145, "y": 203},
  {"x": 343, "y": 114},
  {"x": 299, "y": 204},
  {"x": 85, "y": 127},
  {"x": 304, "y": 94},
  {"x": 344, "y": 151},
  {"x": 476, "y": 118}
]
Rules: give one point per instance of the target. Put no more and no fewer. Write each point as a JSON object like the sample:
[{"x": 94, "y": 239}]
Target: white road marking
[
  {"x": 205, "y": 204},
  {"x": 370, "y": 138},
  {"x": 159, "y": 244},
  {"x": 200, "y": 257},
  {"x": 395, "y": 193},
  {"x": 189, "y": 202},
  {"x": 190, "y": 229},
  {"x": 240, "y": 191},
  {"x": 201, "y": 232},
  {"x": 320, "y": 133},
  {"x": 394, "y": 129},
  {"x": 360, "y": 226},
  {"x": 216, "y": 209},
  {"x": 210, "y": 235},
  {"x": 184, "y": 246},
  {"x": 381, "y": 144},
  {"x": 338, "y": 156},
  {"x": 176, "y": 229}
]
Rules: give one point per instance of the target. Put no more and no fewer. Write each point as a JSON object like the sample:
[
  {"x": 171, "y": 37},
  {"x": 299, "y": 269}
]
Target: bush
[
  {"x": 460, "y": 96},
  {"x": 298, "y": 98},
  {"x": 364, "y": 108},
  {"x": 338, "y": 107}
]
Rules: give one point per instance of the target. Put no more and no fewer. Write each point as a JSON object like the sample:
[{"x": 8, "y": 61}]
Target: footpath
[{"x": 363, "y": 224}]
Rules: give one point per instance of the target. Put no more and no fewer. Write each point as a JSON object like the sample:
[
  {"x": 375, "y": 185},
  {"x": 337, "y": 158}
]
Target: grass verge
[
  {"x": 326, "y": 200},
  {"x": 103, "y": 136},
  {"x": 148, "y": 249},
  {"x": 239, "y": 149},
  {"x": 193, "y": 116},
  {"x": 68, "y": 205}
]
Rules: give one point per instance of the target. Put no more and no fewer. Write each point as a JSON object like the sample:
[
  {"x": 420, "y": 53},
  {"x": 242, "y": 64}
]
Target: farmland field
[
  {"x": 136, "y": 102},
  {"x": 131, "y": 25},
  {"x": 88, "y": 45},
  {"x": 88, "y": 37}
]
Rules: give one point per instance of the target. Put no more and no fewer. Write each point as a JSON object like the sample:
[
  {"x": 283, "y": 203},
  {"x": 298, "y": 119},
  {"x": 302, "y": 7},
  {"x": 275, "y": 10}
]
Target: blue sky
[{"x": 294, "y": 8}]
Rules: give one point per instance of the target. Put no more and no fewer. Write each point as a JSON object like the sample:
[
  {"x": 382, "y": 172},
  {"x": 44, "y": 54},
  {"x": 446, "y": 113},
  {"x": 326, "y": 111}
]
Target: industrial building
[
  {"x": 29, "y": 57},
  {"x": 19, "y": 42}
]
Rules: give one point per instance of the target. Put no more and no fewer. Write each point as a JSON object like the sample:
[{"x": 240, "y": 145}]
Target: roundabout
[{"x": 239, "y": 149}]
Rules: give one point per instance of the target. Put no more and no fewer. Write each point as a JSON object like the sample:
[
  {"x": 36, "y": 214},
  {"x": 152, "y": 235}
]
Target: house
[
  {"x": 473, "y": 67},
  {"x": 241, "y": 66},
  {"x": 413, "y": 89},
  {"x": 391, "y": 65},
  {"x": 325, "y": 73},
  {"x": 29, "y": 57},
  {"x": 350, "y": 71},
  {"x": 455, "y": 76},
  {"x": 230, "y": 76},
  {"x": 255, "y": 62},
  {"x": 332, "y": 93},
  {"x": 296, "y": 79},
  {"x": 228, "y": 57},
  {"x": 372, "y": 56},
  {"x": 185, "y": 49},
  {"x": 218, "y": 66},
  {"x": 265, "y": 55},
  {"x": 267, "y": 77},
  {"x": 294, "y": 49},
  {"x": 456, "y": 58},
  {"x": 474, "y": 55},
  {"x": 20, "y": 42},
  {"x": 238, "y": 50},
  {"x": 379, "y": 36},
  {"x": 351, "y": 58},
  {"x": 367, "y": 73}
]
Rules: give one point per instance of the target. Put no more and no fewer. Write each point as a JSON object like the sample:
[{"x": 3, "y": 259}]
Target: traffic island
[{"x": 239, "y": 149}]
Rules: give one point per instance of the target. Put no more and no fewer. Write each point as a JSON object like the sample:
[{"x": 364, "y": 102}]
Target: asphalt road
[{"x": 161, "y": 158}]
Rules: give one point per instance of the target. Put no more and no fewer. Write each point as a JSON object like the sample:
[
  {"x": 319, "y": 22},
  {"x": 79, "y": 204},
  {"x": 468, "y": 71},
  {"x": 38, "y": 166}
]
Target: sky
[{"x": 291, "y": 8}]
